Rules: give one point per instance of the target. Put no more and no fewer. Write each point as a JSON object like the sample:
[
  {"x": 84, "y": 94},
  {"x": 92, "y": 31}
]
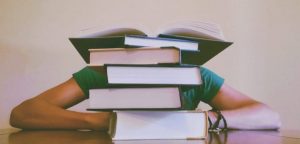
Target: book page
[
  {"x": 112, "y": 30},
  {"x": 196, "y": 29}
]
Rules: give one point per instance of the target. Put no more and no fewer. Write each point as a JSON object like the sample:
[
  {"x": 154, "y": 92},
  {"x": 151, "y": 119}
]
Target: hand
[{"x": 99, "y": 120}]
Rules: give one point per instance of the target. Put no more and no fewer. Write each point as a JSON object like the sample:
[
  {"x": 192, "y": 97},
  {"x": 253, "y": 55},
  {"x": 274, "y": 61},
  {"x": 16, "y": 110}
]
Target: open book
[
  {"x": 191, "y": 37},
  {"x": 198, "y": 29}
]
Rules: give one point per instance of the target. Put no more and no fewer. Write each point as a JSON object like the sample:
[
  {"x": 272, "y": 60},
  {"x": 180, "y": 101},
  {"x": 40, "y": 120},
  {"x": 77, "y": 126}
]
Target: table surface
[{"x": 14, "y": 136}]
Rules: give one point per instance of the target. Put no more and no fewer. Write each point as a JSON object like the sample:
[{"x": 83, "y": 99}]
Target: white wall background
[{"x": 35, "y": 53}]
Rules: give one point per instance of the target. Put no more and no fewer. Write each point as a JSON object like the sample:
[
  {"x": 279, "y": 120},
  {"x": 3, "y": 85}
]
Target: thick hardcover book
[
  {"x": 155, "y": 75},
  {"x": 83, "y": 44},
  {"x": 208, "y": 48},
  {"x": 150, "y": 55},
  {"x": 147, "y": 55},
  {"x": 138, "y": 98},
  {"x": 141, "y": 125}
]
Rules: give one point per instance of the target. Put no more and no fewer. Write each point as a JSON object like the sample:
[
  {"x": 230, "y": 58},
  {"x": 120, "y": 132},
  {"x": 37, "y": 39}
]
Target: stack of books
[{"x": 145, "y": 75}]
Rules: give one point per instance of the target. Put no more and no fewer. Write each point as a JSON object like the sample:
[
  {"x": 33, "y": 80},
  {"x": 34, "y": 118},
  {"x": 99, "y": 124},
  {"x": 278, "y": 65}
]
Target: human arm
[
  {"x": 243, "y": 112},
  {"x": 48, "y": 110}
]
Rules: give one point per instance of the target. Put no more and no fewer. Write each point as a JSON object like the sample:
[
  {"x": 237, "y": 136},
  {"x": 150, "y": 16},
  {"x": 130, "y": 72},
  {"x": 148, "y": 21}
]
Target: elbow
[
  {"x": 19, "y": 116},
  {"x": 272, "y": 118},
  {"x": 276, "y": 120},
  {"x": 15, "y": 118},
  {"x": 263, "y": 117}
]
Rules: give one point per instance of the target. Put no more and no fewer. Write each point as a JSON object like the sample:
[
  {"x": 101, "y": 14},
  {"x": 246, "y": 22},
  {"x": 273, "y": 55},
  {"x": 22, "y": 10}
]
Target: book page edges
[
  {"x": 112, "y": 124},
  {"x": 112, "y": 29},
  {"x": 205, "y": 127}
]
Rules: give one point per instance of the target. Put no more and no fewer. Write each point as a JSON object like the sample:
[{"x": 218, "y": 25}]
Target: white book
[
  {"x": 135, "y": 98},
  {"x": 150, "y": 55},
  {"x": 140, "y": 125},
  {"x": 153, "y": 75}
]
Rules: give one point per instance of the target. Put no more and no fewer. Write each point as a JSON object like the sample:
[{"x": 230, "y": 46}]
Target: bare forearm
[
  {"x": 256, "y": 116},
  {"x": 42, "y": 115}
]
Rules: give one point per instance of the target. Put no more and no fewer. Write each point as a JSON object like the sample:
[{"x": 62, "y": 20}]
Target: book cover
[{"x": 208, "y": 49}]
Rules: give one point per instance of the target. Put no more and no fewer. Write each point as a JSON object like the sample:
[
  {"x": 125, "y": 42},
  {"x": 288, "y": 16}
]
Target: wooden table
[{"x": 13, "y": 136}]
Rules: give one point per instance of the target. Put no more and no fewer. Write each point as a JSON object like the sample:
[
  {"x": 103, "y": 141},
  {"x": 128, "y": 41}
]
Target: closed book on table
[
  {"x": 150, "y": 55},
  {"x": 156, "y": 75},
  {"x": 140, "y": 98},
  {"x": 140, "y": 125}
]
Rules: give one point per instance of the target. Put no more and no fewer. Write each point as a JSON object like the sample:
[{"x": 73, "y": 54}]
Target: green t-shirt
[{"x": 87, "y": 79}]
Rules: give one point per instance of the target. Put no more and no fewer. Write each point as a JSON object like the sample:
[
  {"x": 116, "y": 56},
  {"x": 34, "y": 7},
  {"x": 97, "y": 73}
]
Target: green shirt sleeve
[
  {"x": 87, "y": 78},
  {"x": 192, "y": 95}
]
